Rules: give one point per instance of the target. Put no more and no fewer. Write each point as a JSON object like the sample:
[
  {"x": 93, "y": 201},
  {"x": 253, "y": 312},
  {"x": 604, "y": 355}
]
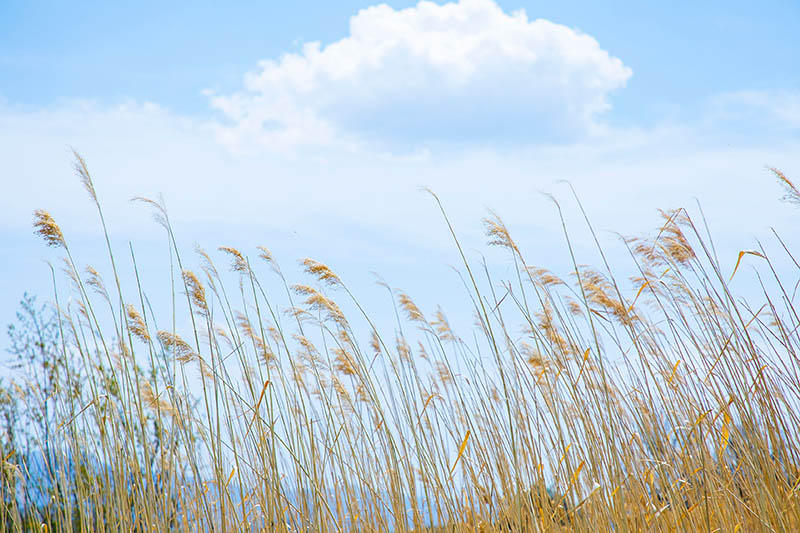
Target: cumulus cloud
[{"x": 458, "y": 71}]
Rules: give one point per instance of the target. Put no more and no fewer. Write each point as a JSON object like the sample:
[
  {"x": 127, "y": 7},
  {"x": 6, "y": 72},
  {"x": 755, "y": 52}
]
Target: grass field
[{"x": 659, "y": 402}]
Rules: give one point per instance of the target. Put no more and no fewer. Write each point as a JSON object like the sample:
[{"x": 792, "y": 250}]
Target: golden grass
[{"x": 582, "y": 403}]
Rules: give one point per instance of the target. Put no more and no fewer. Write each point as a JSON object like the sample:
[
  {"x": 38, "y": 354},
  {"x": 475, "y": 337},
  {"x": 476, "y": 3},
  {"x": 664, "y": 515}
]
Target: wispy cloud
[
  {"x": 776, "y": 108},
  {"x": 133, "y": 150}
]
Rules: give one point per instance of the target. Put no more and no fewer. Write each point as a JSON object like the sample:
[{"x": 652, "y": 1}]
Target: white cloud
[{"x": 456, "y": 71}]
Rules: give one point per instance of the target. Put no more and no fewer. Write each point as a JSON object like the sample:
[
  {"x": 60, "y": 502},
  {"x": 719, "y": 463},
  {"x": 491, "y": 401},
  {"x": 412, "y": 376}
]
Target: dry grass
[{"x": 660, "y": 403}]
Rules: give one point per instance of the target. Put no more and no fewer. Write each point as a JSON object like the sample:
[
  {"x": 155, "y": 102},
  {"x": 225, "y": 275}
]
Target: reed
[{"x": 584, "y": 402}]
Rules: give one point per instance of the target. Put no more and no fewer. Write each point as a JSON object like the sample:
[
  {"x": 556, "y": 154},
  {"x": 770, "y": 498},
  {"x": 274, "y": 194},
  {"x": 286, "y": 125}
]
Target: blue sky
[
  {"x": 681, "y": 52},
  {"x": 255, "y": 135}
]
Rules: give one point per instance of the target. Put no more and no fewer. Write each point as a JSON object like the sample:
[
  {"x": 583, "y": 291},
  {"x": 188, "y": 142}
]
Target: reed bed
[{"x": 658, "y": 402}]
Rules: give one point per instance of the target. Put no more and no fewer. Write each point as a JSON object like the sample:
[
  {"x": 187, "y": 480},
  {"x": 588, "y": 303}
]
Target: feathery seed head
[
  {"x": 362, "y": 394},
  {"x": 344, "y": 362},
  {"x": 600, "y": 291},
  {"x": 196, "y": 291},
  {"x": 152, "y": 401},
  {"x": 792, "y": 193},
  {"x": 498, "y": 233},
  {"x": 299, "y": 314},
  {"x": 208, "y": 264},
  {"x": 411, "y": 309},
  {"x": 309, "y": 350},
  {"x": 574, "y": 307},
  {"x": 375, "y": 342},
  {"x": 317, "y": 300},
  {"x": 96, "y": 282},
  {"x": 443, "y": 372},
  {"x": 673, "y": 240},
  {"x": 238, "y": 262},
  {"x": 544, "y": 277},
  {"x": 298, "y": 373},
  {"x": 422, "y": 353},
  {"x": 247, "y": 330},
  {"x": 442, "y": 326},
  {"x": 79, "y": 165},
  {"x": 180, "y": 348},
  {"x": 205, "y": 370},
  {"x": 136, "y": 324},
  {"x": 223, "y": 333},
  {"x": 47, "y": 228},
  {"x": 322, "y": 272},
  {"x": 341, "y": 391},
  {"x": 274, "y": 334},
  {"x": 403, "y": 349},
  {"x": 160, "y": 213},
  {"x": 266, "y": 255}
]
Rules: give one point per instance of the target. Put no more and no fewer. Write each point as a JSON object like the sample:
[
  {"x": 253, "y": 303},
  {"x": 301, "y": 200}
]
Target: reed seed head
[{"x": 47, "y": 228}]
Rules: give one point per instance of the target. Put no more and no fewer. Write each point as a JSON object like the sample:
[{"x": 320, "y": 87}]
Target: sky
[{"x": 310, "y": 127}]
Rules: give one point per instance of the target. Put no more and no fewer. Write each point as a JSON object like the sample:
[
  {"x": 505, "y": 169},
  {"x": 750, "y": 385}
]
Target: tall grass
[{"x": 661, "y": 402}]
